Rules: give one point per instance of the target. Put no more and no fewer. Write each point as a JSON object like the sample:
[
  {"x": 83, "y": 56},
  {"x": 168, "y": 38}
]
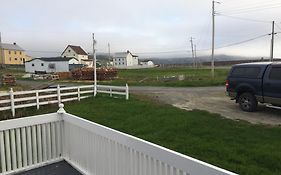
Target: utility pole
[
  {"x": 272, "y": 42},
  {"x": 109, "y": 52},
  {"x": 195, "y": 56},
  {"x": 192, "y": 51},
  {"x": 95, "y": 65},
  {"x": 213, "y": 37},
  {"x": 1, "y": 54}
]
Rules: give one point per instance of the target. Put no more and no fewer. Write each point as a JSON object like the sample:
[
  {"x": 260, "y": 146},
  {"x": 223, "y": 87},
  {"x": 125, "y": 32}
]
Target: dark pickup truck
[{"x": 251, "y": 83}]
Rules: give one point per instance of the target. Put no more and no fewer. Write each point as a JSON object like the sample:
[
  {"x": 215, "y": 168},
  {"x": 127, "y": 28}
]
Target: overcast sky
[{"x": 140, "y": 26}]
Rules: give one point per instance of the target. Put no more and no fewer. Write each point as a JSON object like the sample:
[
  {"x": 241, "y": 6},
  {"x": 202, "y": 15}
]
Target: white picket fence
[
  {"x": 22, "y": 99},
  {"x": 91, "y": 148}
]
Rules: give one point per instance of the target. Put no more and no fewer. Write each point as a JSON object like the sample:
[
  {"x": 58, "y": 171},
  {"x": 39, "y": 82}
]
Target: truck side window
[
  {"x": 246, "y": 72},
  {"x": 275, "y": 73}
]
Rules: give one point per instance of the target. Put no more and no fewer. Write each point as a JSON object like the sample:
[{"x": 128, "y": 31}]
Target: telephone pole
[
  {"x": 192, "y": 51},
  {"x": 108, "y": 51},
  {"x": 195, "y": 56},
  {"x": 95, "y": 65},
  {"x": 1, "y": 54},
  {"x": 213, "y": 37},
  {"x": 272, "y": 42}
]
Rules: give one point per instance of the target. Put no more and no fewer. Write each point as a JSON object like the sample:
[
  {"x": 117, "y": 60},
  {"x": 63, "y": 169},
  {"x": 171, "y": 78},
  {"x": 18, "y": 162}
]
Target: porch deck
[{"x": 58, "y": 168}]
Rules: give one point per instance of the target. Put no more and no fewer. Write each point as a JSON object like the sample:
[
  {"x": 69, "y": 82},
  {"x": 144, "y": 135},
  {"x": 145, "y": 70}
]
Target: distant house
[
  {"x": 125, "y": 59},
  {"x": 50, "y": 65},
  {"x": 148, "y": 63},
  {"x": 76, "y": 52},
  {"x": 12, "y": 54}
]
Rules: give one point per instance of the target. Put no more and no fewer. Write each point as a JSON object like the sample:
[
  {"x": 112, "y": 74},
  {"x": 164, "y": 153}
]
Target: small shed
[{"x": 50, "y": 65}]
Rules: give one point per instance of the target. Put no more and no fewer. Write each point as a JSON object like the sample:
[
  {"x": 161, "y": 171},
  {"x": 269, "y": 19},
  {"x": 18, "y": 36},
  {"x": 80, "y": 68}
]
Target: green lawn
[
  {"x": 237, "y": 146},
  {"x": 155, "y": 77}
]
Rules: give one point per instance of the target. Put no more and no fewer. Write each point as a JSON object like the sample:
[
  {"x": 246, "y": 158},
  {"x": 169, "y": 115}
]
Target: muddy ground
[{"x": 211, "y": 99}]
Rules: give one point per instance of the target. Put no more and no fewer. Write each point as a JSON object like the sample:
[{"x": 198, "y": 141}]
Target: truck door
[{"x": 272, "y": 85}]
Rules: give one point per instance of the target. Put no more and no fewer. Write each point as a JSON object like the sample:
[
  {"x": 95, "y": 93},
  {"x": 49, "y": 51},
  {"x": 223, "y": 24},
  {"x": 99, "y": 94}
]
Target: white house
[
  {"x": 125, "y": 59},
  {"x": 147, "y": 63},
  {"x": 50, "y": 65},
  {"x": 76, "y": 52}
]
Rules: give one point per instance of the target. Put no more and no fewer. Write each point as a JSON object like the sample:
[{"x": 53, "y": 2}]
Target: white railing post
[
  {"x": 37, "y": 99},
  {"x": 61, "y": 109},
  {"x": 2, "y": 152},
  {"x": 58, "y": 93},
  {"x": 127, "y": 92},
  {"x": 12, "y": 102},
  {"x": 110, "y": 91},
  {"x": 78, "y": 92}
]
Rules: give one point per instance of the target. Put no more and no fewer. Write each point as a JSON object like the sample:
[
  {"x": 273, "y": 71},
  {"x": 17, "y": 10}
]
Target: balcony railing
[{"x": 91, "y": 148}]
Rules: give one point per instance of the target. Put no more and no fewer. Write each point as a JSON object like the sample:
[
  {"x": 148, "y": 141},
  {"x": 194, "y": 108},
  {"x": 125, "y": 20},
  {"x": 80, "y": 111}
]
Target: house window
[
  {"x": 32, "y": 65},
  {"x": 69, "y": 51},
  {"x": 21, "y": 59},
  {"x": 10, "y": 59},
  {"x": 15, "y": 52},
  {"x": 52, "y": 66},
  {"x": 16, "y": 59},
  {"x": 42, "y": 64},
  {"x": 9, "y": 52},
  {"x": 20, "y": 53},
  {"x": 73, "y": 54},
  {"x": 119, "y": 59}
]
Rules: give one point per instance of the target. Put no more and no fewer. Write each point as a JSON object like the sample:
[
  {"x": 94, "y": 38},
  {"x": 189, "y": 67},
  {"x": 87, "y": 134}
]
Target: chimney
[{"x": 15, "y": 43}]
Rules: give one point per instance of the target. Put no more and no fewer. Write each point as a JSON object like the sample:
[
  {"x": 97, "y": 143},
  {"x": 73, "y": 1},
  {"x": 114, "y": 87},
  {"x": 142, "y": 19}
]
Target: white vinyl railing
[
  {"x": 30, "y": 142},
  {"x": 91, "y": 148},
  {"x": 22, "y": 99}
]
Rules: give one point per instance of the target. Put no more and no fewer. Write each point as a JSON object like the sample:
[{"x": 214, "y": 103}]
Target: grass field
[
  {"x": 237, "y": 146},
  {"x": 156, "y": 77}
]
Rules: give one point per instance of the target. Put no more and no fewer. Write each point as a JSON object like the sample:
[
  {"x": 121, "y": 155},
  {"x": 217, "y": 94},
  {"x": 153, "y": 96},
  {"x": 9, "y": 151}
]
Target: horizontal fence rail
[
  {"x": 95, "y": 149},
  {"x": 22, "y": 99},
  {"x": 29, "y": 142},
  {"x": 91, "y": 148}
]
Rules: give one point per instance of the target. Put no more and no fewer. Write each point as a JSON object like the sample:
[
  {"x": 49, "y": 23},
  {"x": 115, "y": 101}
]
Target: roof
[
  {"x": 121, "y": 54},
  {"x": 77, "y": 49},
  {"x": 11, "y": 47},
  {"x": 53, "y": 59}
]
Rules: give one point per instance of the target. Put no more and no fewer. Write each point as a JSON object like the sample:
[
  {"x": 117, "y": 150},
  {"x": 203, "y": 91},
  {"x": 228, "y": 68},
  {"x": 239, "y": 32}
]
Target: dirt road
[{"x": 211, "y": 99}]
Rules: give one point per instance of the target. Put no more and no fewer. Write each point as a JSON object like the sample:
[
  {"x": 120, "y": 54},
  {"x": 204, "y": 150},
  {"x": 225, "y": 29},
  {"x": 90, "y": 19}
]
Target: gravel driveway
[{"x": 211, "y": 99}]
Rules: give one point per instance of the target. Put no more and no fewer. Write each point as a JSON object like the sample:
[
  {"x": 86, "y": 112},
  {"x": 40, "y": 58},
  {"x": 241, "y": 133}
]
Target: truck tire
[{"x": 248, "y": 102}]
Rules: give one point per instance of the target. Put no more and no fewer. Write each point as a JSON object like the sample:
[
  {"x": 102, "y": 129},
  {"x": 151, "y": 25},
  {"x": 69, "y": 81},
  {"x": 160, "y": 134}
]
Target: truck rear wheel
[{"x": 248, "y": 102}]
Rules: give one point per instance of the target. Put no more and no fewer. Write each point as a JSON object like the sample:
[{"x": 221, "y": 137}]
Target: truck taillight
[{"x": 226, "y": 83}]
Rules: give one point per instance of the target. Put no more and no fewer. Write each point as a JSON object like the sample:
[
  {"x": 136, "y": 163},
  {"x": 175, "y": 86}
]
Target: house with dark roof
[
  {"x": 76, "y": 52},
  {"x": 12, "y": 54},
  {"x": 125, "y": 60},
  {"x": 51, "y": 65}
]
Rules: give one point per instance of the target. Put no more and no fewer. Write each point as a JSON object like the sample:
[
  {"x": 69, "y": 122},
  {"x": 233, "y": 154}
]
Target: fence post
[
  {"x": 110, "y": 91},
  {"x": 58, "y": 93},
  {"x": 78, "y": 91},
  {"x": 12, "y": 102},
  {"x": 37, "y": 99},
  {"x": 127, "y": 92}
]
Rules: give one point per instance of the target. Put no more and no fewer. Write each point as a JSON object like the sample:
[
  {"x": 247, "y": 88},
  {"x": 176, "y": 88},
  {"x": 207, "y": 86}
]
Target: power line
[
  {"x": 245, "y": 19},
  {"x": 242, "y": 42},
  {"x": 277, "y": 26},
  {"x": 250, "y": 10},
  {"x": 256, "y": 6},
  {"x": 235, "y": 6}
]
